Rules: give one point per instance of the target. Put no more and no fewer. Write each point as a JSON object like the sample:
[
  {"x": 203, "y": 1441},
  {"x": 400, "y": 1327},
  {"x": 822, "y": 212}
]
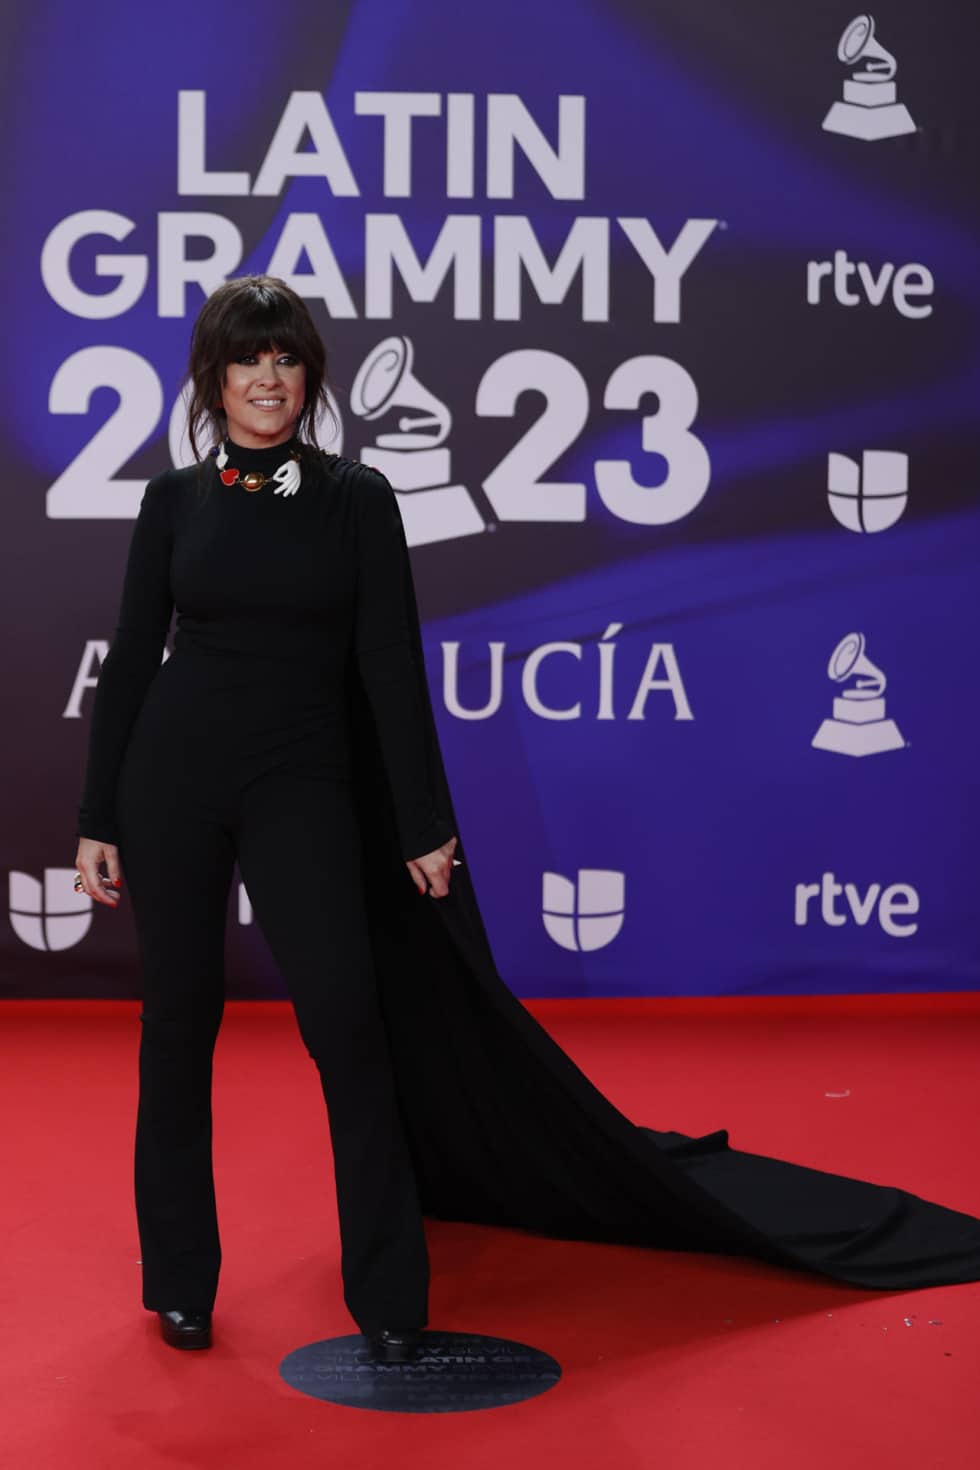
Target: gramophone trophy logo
[
  {"x": 859, "y": 725},
  {"x": 411, "y": 453},
  {"x": 870, "y": 109}
]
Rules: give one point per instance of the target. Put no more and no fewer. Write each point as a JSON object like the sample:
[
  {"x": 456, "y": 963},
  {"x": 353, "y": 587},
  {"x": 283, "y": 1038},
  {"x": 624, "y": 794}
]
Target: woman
[
  {"x": 292, "y": 729},
  {"x": 239, "y": 747}
]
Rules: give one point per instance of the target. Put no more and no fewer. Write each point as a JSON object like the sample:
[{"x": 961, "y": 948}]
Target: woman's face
[{"x": 262, "y": 397}]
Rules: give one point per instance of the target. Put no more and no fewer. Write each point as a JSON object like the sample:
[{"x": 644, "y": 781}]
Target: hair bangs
[{"x": 262, "y": 326}]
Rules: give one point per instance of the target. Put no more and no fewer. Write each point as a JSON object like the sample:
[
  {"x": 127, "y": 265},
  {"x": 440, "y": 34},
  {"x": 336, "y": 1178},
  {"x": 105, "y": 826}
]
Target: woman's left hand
[{"x": 435, "y": 868}]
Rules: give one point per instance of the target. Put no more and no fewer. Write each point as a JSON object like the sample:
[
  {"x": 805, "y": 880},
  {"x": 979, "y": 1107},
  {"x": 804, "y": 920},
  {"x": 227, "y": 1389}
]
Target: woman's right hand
[{"x": 87, "y": 859}]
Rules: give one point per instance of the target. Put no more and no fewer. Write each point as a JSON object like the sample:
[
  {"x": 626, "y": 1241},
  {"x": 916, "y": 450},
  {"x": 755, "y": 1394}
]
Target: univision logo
[
  {"x": 870, "y": 496},
  {"x": 586, "y": 913},
  {"x": 49, "y": 916}
]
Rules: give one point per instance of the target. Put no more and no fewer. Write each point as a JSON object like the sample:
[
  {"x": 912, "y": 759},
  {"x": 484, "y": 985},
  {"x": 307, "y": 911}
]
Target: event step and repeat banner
[{"x": 662, "y": 319}]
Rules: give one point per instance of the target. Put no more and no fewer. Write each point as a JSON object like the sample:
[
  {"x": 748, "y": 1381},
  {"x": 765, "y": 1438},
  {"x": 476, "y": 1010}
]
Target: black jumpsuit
[{"x": 237, "y": 747}]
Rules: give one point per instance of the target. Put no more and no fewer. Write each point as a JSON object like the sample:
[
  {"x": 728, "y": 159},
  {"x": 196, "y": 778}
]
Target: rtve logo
[
  {"x": 905, "y": 282},
  {"x": 890, "y": 905},
  {"x": 585, "y": 914}
]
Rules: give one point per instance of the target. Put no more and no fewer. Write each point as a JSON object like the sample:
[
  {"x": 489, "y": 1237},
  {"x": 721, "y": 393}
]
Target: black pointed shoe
[
  {"x": 395, "y": 1346},
  {"x": 186, "y": 1329}
]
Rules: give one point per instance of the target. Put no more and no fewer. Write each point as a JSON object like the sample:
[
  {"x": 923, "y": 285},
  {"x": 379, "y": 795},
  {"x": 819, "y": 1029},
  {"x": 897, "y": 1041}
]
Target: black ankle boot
[
  {"x": 186, "y": 1329},
  {"x": 392, "y": 1345}
]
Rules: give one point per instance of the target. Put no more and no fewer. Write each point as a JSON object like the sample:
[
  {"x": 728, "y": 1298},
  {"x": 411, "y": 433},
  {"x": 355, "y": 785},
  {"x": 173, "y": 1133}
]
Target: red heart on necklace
[{"x": 228, "y": 476}]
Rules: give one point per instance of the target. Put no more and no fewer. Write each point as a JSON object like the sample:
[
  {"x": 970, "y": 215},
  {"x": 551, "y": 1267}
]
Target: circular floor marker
[{"x": 454, "y": 1371}]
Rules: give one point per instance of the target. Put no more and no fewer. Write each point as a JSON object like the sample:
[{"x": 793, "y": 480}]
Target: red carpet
[{"x": 669, "y": 1360}]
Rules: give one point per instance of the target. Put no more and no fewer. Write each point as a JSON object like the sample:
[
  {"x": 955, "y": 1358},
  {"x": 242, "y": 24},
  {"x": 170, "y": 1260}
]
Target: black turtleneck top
[{"x": 274, "y": 595}]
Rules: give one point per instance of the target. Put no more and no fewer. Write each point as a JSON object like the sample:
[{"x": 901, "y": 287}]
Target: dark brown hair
[{"x": 252, "y": 314}]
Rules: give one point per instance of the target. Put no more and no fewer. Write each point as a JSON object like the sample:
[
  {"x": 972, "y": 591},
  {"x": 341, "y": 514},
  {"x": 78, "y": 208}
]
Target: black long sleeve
[
  {"x": 257, "y": 584},
  {"x": 386, "y": 663},
  {"x": 134, "y": 657}
]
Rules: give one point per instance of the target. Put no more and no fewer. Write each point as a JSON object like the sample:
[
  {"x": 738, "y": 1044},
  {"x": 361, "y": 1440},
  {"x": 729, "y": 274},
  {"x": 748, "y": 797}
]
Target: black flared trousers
[{"x": 298, "y": 847}]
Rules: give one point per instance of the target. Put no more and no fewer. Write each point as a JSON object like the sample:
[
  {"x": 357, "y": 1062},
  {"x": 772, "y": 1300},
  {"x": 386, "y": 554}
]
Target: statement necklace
[{"x": 287, "y": 477}]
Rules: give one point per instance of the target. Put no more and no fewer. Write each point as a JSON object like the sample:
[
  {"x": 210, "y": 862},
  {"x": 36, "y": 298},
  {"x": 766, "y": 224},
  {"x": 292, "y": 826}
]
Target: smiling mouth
[{"x": 267, "y": 402}]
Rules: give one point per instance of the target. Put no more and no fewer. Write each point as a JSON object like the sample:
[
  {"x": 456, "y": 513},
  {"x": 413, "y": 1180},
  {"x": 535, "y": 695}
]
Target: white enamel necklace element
[{"x": 287, "y": 477}]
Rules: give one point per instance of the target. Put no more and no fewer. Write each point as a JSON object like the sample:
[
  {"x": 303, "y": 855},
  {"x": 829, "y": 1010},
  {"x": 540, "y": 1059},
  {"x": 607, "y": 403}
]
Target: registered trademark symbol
[{"x": 723, "y": 224}]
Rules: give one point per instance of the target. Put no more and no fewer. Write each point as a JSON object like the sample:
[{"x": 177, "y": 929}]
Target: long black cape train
[{"x": 505, "y": 1129}]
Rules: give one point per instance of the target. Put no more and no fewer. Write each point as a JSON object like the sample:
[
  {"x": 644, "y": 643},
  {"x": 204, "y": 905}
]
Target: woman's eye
[{"x": 286, "y": 359}]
